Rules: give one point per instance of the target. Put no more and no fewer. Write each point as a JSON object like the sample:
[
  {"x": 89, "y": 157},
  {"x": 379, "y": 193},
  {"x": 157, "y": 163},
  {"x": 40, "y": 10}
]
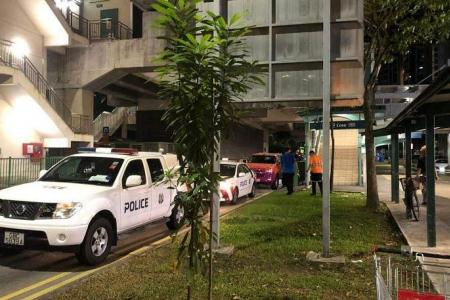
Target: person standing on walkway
[
  {"x": 288, "y": 170},
  {"x": 422, "y": 172},
  {"x": 316, "y": 169}
]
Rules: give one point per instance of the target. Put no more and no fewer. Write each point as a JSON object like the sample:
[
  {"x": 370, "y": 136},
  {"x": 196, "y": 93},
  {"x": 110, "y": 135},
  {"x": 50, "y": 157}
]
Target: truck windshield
[
  {"x": 85, "y": 170},
  {"x": 264, "y": 159},
  {"x": 227, "y": 170}
]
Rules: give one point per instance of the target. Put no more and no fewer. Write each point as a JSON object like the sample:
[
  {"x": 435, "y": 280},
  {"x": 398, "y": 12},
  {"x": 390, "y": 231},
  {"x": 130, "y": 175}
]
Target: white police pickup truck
[{"x": 83, "y": 203}]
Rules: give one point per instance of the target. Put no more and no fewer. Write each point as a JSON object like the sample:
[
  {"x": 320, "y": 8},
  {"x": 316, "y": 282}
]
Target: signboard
[
  {"x": 414, "y": 295},
  {"x": 341, "y": 125}
]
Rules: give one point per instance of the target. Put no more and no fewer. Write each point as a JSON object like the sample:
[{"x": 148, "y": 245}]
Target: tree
[
  {"x": 391, "y": 28},
  {"x": 205, "y": 71}
]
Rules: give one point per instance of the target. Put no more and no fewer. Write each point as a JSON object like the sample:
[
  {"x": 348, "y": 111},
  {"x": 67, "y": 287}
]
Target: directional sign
[{"x": 341, "y": 125}]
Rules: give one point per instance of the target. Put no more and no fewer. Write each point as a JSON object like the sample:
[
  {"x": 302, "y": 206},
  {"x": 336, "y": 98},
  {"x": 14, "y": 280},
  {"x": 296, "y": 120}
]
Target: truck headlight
[{"x": 66, "y": 210}]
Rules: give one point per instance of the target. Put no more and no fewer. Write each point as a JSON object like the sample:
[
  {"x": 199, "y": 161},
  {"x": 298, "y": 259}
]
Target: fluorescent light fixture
[{"x": 20, "y": 47}]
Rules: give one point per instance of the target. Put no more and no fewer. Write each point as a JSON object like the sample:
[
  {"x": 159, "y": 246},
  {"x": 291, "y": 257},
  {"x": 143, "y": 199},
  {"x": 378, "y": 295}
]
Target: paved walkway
[{"x": 416, "y": 232}]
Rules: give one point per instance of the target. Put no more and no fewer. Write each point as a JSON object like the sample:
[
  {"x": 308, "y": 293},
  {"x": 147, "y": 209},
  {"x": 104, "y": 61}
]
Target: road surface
[{"x": 33, "y": 274}]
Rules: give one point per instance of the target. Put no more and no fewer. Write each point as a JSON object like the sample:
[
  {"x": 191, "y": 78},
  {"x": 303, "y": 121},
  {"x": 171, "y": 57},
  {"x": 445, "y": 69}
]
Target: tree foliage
[
  {"x": 392, "y": 27},
  {"x": 205, "y": 72}
]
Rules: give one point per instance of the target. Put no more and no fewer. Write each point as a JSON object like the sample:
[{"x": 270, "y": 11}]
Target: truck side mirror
[{"x": 133, "y": 180}]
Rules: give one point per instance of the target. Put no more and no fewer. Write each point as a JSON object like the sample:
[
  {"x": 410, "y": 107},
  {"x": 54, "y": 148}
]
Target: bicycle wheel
[{"x": 415, "y": 206}]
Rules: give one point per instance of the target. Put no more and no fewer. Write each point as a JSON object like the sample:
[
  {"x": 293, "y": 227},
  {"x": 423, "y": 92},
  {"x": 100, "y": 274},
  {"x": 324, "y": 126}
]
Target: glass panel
[
  {"x": 259, "y": 91},
  {"x": 298, "y": 46},
  {"x": 254, "y": 12},
  {"x": 298, "y": 84},
  {"x": 346, "y": 43},
  {"x": 258, "y": 47},
  {"x": 349, "y": 8},
  {"x": 297, "y": 11},
  {"x": 346, "y": 79},
  {"x": 208, "y": 6}
]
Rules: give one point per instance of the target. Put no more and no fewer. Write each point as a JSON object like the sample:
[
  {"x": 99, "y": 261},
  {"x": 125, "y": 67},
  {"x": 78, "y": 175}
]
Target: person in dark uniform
[
  {"x": 288, "y": 170},
  {"x": 422, "y": 173}
]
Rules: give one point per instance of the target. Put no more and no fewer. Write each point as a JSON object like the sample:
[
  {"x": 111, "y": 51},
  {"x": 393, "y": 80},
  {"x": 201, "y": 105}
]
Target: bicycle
[{"x": 411, "y": 200}]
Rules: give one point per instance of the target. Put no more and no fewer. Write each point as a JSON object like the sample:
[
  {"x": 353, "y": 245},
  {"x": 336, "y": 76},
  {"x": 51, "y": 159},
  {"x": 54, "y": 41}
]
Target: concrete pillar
[
  {"x": 408, "y": 152},
  {"x": 326, "y": 12},
  {"x": 431, "y": 208},
  {"x": 308, "y": 148},
  {"x": 394, "y": 168},
  {"x": 265, "y": 141},
  {"x": 448, "y": 147}
]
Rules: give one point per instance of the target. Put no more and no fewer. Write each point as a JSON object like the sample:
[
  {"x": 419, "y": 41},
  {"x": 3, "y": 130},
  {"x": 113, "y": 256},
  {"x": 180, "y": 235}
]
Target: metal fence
[
  {"x": 394, "y": 281},
  {"x": 14, "y": 171}
]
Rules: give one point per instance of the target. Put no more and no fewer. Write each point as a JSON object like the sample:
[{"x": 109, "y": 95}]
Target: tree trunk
[
  {"x": 211, "y": 220},
  {"x": 401, "y": 70},
  {"x": 332, "y": 154},
  {"x": 372, "y": 187},
  {"x": 317, "y": 142}
]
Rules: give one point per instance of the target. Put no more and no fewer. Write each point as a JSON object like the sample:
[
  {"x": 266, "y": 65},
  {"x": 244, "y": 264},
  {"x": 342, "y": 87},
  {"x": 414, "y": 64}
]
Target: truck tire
[
  {"x": 176, "y": 219},
  {"x": 97, "y": 243},
  {"x": 274, "y": 185}
]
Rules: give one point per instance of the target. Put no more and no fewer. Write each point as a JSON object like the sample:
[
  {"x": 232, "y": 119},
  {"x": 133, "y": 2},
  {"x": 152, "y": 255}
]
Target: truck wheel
[
  {"x": 253, "y": 192},
  {"x": 274, "y": 185},
  {"x": 235, "y": 196},
  {"x": 97, "y": 243},
  {"x": 176, "y": 219}
]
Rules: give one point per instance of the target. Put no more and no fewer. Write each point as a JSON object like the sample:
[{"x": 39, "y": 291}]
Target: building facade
[{"x": 60, "y": 55}]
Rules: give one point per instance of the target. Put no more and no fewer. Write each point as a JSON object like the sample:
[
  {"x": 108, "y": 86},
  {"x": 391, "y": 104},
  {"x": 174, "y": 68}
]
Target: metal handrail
[
  {"x": 97, "y": 29},
  {"x": 23, "y": 64},
  {"x": 113, "y": 120}
]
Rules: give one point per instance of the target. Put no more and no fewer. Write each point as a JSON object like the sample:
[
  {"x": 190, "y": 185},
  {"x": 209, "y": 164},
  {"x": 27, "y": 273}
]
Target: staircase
[
  {"x": 113, "y": 120},
  {"x": 80, "y": 124}
]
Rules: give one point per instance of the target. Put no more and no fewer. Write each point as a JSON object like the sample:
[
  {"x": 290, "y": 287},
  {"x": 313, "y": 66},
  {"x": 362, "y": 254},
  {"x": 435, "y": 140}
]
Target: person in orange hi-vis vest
[{"x": 316, "y": 169}]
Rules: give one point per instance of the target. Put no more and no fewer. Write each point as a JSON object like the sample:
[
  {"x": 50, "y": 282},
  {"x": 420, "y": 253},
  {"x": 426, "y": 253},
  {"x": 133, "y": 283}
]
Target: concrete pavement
[{"x": 415, "y": 233}]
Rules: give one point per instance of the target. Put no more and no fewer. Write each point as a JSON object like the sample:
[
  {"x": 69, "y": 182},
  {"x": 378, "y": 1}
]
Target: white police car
[
  {"x": 83, "y": 203},
  {"x": 237, "y": 181}
]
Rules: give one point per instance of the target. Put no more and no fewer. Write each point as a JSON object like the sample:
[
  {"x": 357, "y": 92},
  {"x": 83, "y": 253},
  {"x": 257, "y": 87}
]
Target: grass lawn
[{"x": 271, "y": 237}]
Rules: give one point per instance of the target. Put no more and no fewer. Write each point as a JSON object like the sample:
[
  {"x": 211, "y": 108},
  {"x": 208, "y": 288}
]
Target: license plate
[{"x": 14, "y": 238}]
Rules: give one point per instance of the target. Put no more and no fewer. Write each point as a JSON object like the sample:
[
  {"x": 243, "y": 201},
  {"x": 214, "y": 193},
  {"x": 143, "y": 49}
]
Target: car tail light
[{"x": 225, "y": 195}]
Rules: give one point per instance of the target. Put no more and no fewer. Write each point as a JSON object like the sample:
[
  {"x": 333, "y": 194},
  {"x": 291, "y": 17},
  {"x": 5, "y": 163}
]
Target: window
[
  {"x": 242, "y": 169},
  {"x": 246, "y": 169},
  {"x": 135, "y": 167},
  {"x": 227, "y": 170},
  {"x": 85, "y": 170},
  {"x": 156, "y": 169},
  {"x": 264, "y": 159}
]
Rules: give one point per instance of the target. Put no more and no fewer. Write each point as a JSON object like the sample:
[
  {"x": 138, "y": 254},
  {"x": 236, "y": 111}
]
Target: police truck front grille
[{"x": 21, "y": 210}]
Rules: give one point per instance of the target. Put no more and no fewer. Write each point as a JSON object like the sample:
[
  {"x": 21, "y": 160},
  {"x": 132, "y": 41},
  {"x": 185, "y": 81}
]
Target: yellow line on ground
[
  {"x": 89, "y": 272},
  {"x": 34, "y": 286},
  {"x": 81, "y": 275}
]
